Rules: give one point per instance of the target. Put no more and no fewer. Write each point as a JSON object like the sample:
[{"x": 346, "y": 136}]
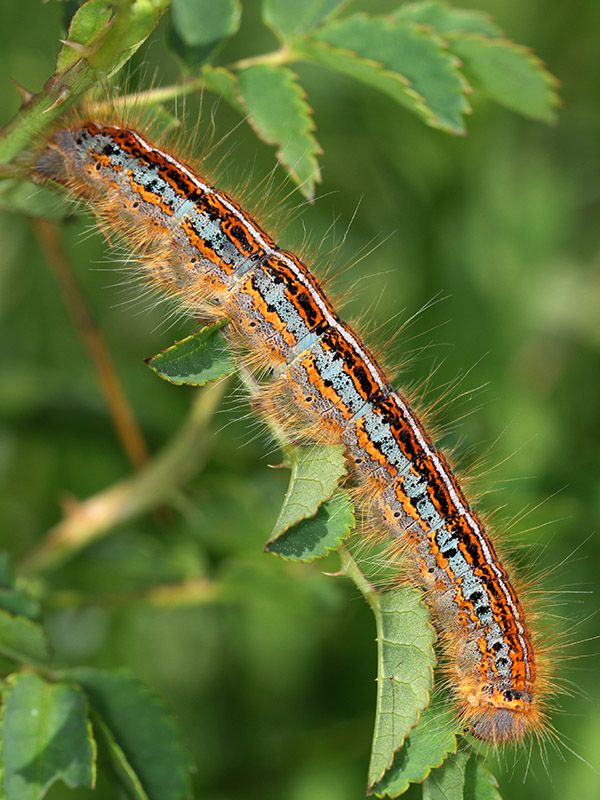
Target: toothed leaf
[
  {"x": 405, "y": 659},
  {"x": 480, "y": 784},
  {"x": 199, "y": 26},
  {"x": 316, "y": 537},
  {"x": 315, "y": 474},
  {"x": 428, "y": 745},
  {"x": 143, "y": 741},
  {"x": 22, "y": 639},
  {"x": 409, "y": 63},
  {"x": 445, "y": 19},
  {"x": 224, "y": 83},
  {"x": 448, "y": 781},
  {"x": 288, "y": 18},
  {"x": 196, "y": 360},
  {"x": 510, "y": 74},
  {"x": 46, "y": 737},
  {"x": 278, "y": 112}
]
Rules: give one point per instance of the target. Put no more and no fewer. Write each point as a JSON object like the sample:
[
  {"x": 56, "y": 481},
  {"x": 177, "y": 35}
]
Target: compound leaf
[{"x": 408, "y": 62}]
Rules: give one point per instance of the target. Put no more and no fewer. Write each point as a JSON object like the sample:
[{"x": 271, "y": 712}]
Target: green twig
[
  {"x": 187, "y": 86},
  {"x": 149, "y": 488},
  {"x": 112, "y": 46}
]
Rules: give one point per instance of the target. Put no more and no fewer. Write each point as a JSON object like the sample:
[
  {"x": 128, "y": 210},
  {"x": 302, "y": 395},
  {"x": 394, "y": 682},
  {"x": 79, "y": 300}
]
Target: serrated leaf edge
[
  {"x": 372, "y": 790},
  {"x": 300, "y": 99},
  {"x": 288, "y": 40},
  {"x": 328, "y": 550},
  {"x": 378, "y": 618},
  {"x": 30, "y": 624},
  {"x": 551, "y": 81},
  {"x": 216, "y": 326},
  {"x": 292, "y": 454}
]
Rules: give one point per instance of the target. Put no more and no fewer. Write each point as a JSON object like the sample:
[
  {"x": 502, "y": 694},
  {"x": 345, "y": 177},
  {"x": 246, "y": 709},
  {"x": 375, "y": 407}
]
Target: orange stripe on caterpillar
[{"x": 220, "y": 262}]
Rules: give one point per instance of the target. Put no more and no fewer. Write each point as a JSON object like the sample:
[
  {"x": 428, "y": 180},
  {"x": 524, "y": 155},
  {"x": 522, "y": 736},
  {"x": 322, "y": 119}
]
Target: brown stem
[{"x": 128, "y": 430}]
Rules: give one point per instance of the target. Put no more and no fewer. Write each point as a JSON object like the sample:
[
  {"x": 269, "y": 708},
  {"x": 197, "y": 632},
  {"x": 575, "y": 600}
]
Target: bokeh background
[{"x": 271, "y": 677}]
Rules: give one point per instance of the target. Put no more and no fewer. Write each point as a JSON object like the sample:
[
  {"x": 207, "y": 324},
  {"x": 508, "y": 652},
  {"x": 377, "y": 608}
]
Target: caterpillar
[{"x": 200, "y": 246}]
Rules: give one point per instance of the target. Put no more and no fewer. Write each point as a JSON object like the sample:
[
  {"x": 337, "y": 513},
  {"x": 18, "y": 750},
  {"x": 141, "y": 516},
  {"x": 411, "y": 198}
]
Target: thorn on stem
[
  {"x": 79, "y": 48},
  {"x": 62, "y": 96},
  {"x": 25, "y": 95}
]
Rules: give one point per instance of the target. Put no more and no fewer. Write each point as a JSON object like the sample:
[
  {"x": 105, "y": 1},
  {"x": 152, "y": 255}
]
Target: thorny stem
[
  {"x": 120, "y": 410},
  {"x": 144, "y": 491},
  {"x": 112, "y": 45}
]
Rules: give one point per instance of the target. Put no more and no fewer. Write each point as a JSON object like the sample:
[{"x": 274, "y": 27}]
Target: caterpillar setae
[{"x": 199, "y": 245}]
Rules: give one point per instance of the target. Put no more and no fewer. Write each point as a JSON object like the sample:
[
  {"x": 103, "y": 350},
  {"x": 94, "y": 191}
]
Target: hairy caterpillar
[{"x": 201, "y": 247}]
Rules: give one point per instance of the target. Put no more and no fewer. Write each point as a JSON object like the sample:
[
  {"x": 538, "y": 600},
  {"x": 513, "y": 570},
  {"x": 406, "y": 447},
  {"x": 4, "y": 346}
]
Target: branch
[
  {"x": 112, "y": 45},
  {"x": 147, "y": 489},
  {"x": 121, "y": 412}
]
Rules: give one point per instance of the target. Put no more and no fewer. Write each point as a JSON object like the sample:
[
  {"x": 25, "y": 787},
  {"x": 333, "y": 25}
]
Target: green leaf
[
  {"x": 448, "y": 781},
  {"x": 222, "y": 82},
  {"x": 510, "y": 74},
  {"x": 199, "y": 26},
  {"x": 22, "y": 639},
  {"x": 406, "y": 659},
  {"x": 316, "y": 471},
  {"x": 19, "y": 603},
  {"x": 147, "y": 745},
  {"x": 123, "y": 770},
  {"x": 316, "y": 537},
  {"x": 196, "y": 360},
  {"x": 14, "y": 600},
  {"x": 278, "y": 112},
  {"x": 428, "y": 745},
  {"x": 288, "y": 18},
  {"x": 87, "y": 22},
  {"x": 480, "y": 784},
  {"x": 45, "y": 737},
  {"x": 445, "y": 19},
  {"x": 409, "y": 63}
]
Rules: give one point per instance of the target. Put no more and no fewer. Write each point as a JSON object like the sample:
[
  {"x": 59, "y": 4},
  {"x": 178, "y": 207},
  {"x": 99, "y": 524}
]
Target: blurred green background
[{"x": 272, "y": 682}]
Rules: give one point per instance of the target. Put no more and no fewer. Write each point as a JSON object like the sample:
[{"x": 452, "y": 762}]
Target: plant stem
[
  {"x": 151, "y": 97},
  {"x": 353, "y": 571},
  {"x": 282, "y": 56},
  {"x": 113, "y": 44},
  {"x": 147, "y": 489},
  {"x": 121, "y": 412},
  {"x": 163, "y": 94}
]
